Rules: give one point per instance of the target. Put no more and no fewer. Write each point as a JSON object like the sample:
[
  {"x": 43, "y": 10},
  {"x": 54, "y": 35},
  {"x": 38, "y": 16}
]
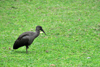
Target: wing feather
[{"x": 21, "y": 41}]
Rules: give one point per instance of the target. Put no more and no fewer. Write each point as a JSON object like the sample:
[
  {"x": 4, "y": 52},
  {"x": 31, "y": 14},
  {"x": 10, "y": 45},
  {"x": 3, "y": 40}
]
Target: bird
[{"x": 26, "y": 38}]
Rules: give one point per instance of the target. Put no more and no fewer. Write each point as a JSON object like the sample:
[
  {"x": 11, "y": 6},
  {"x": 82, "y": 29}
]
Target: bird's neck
[{"x": 37, "y": 32}]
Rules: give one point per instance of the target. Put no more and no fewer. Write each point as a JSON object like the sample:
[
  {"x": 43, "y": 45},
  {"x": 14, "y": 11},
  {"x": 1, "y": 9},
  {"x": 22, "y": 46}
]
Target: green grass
[{"x": 72, "y": 28}]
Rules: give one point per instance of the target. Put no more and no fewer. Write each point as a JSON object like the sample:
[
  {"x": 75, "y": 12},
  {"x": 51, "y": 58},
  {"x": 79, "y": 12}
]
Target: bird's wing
[
  {"x": 23, "y": 35},
  {"x": 21, "y": 41}
]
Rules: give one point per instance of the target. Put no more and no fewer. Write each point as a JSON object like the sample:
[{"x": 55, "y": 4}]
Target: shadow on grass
[
  {"x": 20, "y": 52},
  {"x": 14, "y": 51}
]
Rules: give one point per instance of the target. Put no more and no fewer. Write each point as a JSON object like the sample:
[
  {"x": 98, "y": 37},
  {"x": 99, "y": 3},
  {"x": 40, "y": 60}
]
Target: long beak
[{"x": 43, "y": 31}]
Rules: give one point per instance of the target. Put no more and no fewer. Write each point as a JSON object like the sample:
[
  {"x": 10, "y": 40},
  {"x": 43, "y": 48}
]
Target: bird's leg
[{"x": 26, "y": 49}]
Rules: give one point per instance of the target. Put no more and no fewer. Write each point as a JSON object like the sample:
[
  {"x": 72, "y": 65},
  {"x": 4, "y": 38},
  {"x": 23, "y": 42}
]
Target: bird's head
[{"x": 40, "y": 28}]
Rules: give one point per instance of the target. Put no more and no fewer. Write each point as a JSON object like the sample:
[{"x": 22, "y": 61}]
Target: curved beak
[{"x": 43, "y": 31}]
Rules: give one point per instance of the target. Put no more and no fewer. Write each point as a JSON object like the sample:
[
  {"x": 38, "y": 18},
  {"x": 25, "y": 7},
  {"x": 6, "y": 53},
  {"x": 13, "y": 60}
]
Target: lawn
[{"x": 72, "y": 28}]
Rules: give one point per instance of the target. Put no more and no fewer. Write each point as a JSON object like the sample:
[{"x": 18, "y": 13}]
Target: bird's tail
[{"x": 17, "y": 44}]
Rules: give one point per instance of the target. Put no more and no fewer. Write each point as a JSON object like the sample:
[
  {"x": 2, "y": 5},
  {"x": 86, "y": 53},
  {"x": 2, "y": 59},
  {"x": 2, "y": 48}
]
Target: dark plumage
[{"x": 26, "y": 38}]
